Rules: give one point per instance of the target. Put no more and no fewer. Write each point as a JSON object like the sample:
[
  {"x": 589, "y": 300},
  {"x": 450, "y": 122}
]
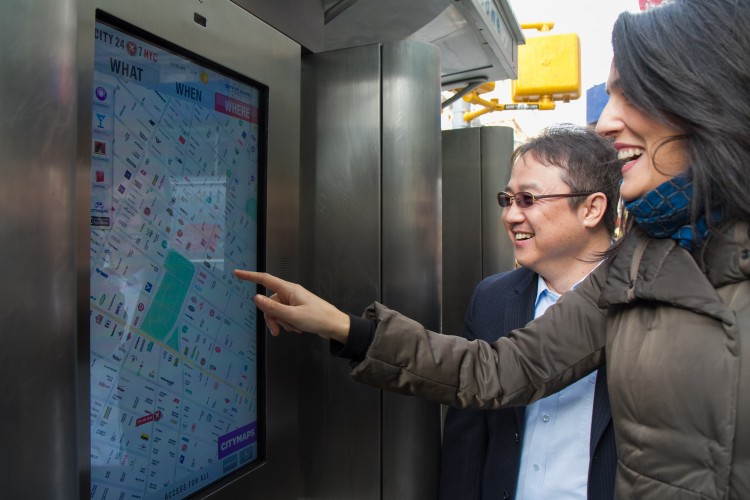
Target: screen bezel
[{"x": 263, "y": 102}]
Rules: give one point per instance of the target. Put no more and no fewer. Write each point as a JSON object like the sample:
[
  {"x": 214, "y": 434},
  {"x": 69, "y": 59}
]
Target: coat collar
[
  {"x": 725, "y": 258},
  {"x": 659, "y": 270}
]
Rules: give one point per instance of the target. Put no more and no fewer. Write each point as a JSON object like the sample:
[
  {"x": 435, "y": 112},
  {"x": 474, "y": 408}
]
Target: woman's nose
[{"x": 609, "y": 123}]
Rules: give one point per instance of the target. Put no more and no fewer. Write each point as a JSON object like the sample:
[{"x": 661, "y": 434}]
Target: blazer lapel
[
  {"x": 519, "y": 311},
  {"x": 602, "y": 413}
]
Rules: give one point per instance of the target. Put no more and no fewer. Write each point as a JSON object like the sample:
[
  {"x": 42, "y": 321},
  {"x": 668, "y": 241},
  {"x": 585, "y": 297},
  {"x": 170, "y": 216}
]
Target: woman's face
[{"x": 641, "y": 141}]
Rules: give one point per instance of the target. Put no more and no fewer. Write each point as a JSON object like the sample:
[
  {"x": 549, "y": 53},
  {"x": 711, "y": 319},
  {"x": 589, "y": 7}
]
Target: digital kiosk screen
[{"x": 177, "y": 203}]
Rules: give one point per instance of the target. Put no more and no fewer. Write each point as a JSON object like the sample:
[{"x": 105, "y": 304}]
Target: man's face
[{"x": 548, "y": 234}]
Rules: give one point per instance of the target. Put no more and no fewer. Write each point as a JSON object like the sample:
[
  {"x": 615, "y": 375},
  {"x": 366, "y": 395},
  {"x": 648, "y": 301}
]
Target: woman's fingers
[
  {"x": 295, "y": 309},
  {"x": 268, "y": 281}
]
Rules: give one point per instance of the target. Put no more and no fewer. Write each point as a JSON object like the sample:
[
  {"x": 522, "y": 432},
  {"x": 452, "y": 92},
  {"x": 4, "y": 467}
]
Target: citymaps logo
[{"x": 101, "y": 93}]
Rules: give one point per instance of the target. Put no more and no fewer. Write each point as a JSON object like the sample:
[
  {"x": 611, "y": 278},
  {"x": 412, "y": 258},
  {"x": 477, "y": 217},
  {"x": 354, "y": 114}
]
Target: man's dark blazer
[{"x": 482, "y": 449}]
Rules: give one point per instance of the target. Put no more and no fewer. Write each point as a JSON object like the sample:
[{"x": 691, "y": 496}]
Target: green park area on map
[{"x": 163, "y": 312}]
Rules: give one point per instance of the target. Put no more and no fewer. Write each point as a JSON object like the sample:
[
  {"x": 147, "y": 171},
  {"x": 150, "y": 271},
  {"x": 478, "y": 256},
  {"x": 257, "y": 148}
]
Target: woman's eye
[{"x": 625, "y": 97}]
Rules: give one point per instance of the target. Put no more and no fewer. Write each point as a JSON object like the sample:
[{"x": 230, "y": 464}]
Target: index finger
[{"x": 269, "y": 281}]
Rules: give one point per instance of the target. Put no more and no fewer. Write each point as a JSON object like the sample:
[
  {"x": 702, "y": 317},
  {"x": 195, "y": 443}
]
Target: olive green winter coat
[{"x": 672, "y": 328}]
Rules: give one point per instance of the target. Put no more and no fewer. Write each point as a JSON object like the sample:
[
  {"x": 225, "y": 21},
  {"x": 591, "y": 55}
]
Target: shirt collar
[{"x": 542, "y": 285}]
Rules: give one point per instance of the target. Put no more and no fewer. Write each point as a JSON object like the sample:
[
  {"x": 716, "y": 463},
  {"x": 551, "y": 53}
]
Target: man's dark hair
[{"x": 588, "y": 163}]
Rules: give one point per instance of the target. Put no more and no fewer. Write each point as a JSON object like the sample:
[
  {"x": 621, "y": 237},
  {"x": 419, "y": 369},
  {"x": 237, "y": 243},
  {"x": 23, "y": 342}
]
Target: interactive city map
[{"x": 174, "y": 210}]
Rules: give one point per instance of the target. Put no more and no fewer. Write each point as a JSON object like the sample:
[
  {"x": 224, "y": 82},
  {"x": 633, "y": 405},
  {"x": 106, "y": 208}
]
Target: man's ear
[{"x": 593, "y": 209}]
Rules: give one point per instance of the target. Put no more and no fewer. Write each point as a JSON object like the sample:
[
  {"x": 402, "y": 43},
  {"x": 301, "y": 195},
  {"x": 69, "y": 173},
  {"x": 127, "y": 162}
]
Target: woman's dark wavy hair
[{"x": 686, "y": 63}]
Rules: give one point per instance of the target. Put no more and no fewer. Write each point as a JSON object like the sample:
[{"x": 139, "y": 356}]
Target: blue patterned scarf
[{"x": 665, "y": 213}]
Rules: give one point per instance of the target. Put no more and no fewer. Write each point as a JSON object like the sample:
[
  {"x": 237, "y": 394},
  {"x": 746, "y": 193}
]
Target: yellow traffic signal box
[{"x": 548, "y": 65}]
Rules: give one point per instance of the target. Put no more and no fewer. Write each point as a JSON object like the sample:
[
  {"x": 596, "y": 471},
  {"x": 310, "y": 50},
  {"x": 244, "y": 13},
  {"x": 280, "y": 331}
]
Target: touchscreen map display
[{"x": 177, "y": 203}]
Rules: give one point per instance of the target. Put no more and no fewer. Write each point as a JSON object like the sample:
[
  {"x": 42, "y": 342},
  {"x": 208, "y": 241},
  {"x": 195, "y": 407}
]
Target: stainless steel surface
[
  {"x": 477, "y": 39},
  {"x": 462, "y": 228},
  {"x": 411, "y": 244},
  {"x": 371, "y": 175},
  {"x": 498, "y": 253},
  {"x": 341, "y": 261},
  {"x": 300, "y": 20},
  {"x": 37, "y": 273},
  {"x": 240, "y": 41},
  {"x": 476, "y": 165},
  {"x": 85, "y": 58}
]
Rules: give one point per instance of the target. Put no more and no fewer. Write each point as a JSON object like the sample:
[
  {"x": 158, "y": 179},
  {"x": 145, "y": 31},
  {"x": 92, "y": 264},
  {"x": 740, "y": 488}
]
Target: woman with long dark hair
[{"x": 668, "y": 312}]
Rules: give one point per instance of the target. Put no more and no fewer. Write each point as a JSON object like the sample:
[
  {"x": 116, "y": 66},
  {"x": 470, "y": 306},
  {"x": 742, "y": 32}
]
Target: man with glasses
[{"x": 559, "y": 209}]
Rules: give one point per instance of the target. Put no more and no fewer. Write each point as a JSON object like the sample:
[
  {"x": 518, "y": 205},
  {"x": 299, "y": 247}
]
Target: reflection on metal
[
  {"x": 411, "y": 213},
  {"x": 38, "y": 421},
  {"x": 371, "y": 176}
]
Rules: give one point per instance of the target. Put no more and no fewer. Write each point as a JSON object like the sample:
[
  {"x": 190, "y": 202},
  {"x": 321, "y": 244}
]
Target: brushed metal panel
[
  {"x": 238, "y": 40},
  {"x": 37, "y": 272},
  {"x": 476, "y": 165},
  {"x": 462, "y": 223},
  {"x": 341, "y": 262},
  {"x": 85, "y": 57},
  {"x": 498, "y": 253},
  {"x": 411, "y": 224},
  {"x": 300, "y": 20}
]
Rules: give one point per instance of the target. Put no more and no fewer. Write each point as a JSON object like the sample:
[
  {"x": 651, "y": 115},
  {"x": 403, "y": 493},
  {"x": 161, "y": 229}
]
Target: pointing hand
[{"x": 295, "y": 309}]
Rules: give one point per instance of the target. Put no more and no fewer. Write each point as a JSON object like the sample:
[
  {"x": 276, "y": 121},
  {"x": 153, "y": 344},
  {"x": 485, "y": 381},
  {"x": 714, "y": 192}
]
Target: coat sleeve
[{"x": 558, "y": 348}]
